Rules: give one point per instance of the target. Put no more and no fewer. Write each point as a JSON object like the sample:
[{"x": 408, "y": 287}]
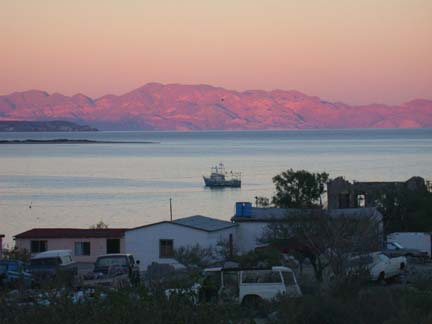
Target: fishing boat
[{"x": 219, "y": 178}]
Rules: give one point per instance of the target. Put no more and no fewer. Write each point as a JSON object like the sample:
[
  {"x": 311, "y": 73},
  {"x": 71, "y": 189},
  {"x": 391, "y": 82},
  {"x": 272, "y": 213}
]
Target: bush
[
  {"x": 371, "y": 305},
  {"x": 132, "y": 305},
  {"x": 339, "y": 304},
  {"x": 261, "y": 258}
]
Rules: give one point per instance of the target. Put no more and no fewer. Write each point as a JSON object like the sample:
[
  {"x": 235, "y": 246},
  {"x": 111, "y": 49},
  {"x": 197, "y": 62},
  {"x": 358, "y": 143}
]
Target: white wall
[
  {"x": 248, "y": 235},
  {"x": 143, "y": 243}
]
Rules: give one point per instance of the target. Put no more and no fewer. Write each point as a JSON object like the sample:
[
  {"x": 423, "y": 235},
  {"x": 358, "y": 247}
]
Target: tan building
[{"x": 86, "y": 244}]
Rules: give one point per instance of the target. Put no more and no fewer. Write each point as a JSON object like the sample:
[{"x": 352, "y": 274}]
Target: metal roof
[
  {"x": 204, "y": 223},
  {"x": 198, "y": 222}
]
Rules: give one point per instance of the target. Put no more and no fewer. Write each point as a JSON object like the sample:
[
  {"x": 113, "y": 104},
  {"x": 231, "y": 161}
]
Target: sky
[{"x": 353, "y": 51}]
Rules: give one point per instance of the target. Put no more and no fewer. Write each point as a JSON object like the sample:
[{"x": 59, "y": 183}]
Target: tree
[
  {"x": 299, "y": 189},
  {"x": 326, "y": 240},
  {"x": 99, "y": 225},
  {"x": 262, "y": 202},
  {"x": 405, "y": 210},
  {"x": 16, "y": 254},
  {"x": 194, "y": 256}
]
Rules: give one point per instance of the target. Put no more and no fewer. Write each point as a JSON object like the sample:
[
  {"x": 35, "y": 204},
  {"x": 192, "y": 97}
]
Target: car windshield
[
  {"x": 45, "y": 262},
  {"x": 397, "y": 245},
  {"x": 359, "y": 261},
  {"x": 109, "y": 261},
  {"x": 383, "y": 257},
  {"x": 288, "y": 278}
]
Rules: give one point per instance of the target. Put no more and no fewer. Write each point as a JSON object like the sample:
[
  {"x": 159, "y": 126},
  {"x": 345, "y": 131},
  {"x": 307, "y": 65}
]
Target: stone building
[{"x": 344, "y": 194}]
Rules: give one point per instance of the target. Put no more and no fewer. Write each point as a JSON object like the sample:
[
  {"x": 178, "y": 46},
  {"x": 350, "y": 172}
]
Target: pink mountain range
[{"x": 202, "y": 107}]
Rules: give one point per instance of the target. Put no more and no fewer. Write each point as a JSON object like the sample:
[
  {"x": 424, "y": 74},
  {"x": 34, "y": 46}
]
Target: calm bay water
[{"x": 126, "y": 185}]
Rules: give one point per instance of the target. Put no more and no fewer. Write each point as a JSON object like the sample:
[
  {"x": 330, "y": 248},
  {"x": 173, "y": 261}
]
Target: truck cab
[
  {"x": 49, "y": 264},
  {"x": 111, "y": 265}
]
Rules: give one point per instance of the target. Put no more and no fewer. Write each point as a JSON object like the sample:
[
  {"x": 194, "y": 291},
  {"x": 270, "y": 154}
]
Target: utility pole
[{"x": 171, "y": 209}]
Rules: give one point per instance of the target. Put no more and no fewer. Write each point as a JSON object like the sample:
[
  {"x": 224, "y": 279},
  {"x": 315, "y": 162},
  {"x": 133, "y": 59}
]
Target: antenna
[{"x": 171, "y": 209}]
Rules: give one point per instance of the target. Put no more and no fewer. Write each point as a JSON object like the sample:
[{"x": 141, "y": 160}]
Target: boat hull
[{"x": 212, "y": 183}]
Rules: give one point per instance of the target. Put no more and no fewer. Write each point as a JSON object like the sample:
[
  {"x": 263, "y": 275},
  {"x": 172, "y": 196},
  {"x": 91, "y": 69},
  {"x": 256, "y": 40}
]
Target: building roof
[
  {"x": 259, "y": 214},
  {"x": 204, "y": 223},
  {"x": 198, "y": 222},
  {"x": 39, "y": 233}
]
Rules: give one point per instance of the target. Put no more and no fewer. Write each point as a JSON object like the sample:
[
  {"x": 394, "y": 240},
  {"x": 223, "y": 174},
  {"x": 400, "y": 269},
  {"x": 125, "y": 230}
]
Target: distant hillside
[
  {"x": 43, "y": 126},
  {"x": 201, "y": 107}
]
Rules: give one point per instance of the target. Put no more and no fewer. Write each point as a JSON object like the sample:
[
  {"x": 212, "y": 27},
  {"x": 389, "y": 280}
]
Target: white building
[
  {"x": 157, "y": 242},
  {"x": 253, "y": 221}
]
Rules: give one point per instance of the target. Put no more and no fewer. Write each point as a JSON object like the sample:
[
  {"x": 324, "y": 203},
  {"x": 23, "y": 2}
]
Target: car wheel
[
  {"x": 381, "y": 278},
  {"x": 252, "y": 301}
]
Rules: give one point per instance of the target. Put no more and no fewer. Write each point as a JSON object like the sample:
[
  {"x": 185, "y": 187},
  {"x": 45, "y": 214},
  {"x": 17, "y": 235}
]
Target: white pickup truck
[{"x": 379, "y": 266}]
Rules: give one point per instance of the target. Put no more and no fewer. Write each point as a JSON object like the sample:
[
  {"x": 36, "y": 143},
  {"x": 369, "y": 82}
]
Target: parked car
[
  {"x": 114, "y": 265},
  {"x": 379, "y": 266},
  {"x": 50, "y": 264},
  {"x": 14, "y": 273},
  {"x": 394, "y": 249},
  {"x": 246, "y": 286},
  {"x": 413, "y": 240}
]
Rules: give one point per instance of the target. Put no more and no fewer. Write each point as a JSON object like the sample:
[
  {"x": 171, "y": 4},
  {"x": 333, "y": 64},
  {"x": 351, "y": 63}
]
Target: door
[{"x": 230, "y": 287}]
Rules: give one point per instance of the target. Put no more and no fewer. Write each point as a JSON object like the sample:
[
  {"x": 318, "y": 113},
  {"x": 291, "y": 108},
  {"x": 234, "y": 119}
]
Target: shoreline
[{"x": 70, "y": 141}]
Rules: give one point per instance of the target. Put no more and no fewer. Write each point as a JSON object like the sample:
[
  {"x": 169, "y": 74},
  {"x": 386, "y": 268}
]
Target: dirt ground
[{"x": 418, "y": 271}]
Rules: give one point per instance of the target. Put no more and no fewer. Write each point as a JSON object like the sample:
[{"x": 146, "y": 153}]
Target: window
[
  {"x": 46, "y": 262},
  {"x": 113, "y": 246},
  {"x": 166, "y": 248},
  {"x": 361, "y": 200},
  {"x": 82, "y": 248},
  {"x": 38, "y": 246},
  {"x": 261, "y": 276},
  {"x": 344, "y": 200}
]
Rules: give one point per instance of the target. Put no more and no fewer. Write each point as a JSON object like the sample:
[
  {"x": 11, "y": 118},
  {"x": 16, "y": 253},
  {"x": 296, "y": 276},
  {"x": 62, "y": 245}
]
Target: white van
[{"x": 248, "y": 286}]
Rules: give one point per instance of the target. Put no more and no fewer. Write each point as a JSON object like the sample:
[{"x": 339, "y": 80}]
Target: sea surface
[{"x": 127, "y": 185}]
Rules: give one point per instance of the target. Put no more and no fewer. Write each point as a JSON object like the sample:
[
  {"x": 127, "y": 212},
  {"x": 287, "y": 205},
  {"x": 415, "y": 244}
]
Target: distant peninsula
[
  {"x": 69, "y": 141},
  {"x": 43, "y": 126}
]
